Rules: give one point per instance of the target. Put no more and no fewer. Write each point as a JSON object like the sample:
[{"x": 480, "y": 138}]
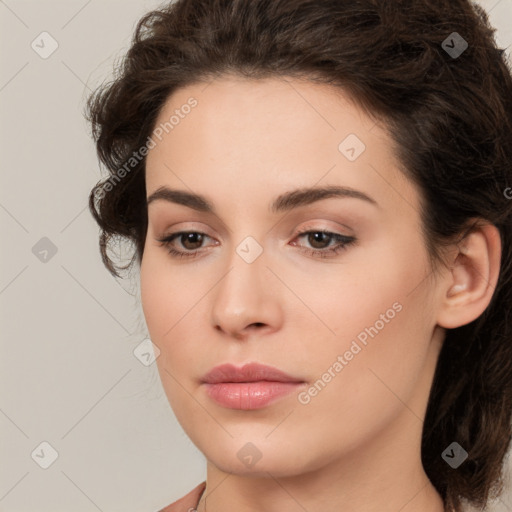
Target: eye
[
  {"x": 191, "y": 240},
  {"x": 319, "y": 237}
]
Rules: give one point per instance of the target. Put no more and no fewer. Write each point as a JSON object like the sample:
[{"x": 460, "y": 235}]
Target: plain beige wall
[{"x": 68, "y": 373}]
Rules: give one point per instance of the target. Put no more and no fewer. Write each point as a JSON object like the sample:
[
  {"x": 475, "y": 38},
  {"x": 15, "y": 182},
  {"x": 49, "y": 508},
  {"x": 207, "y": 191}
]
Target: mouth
[
  {"x": 252, "y": 386},
  {"x": 249, "y": 395}
]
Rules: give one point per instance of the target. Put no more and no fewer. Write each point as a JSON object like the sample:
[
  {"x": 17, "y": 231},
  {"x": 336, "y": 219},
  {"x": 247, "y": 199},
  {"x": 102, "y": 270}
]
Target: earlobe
[{"x": 471, "y": 280}]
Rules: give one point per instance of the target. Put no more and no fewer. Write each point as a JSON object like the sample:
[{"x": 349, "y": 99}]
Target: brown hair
[{"x": 449, "y": 115}]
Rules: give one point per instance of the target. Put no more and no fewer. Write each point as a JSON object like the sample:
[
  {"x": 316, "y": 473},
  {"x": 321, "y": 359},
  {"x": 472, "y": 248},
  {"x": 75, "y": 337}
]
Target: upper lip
[{"x": 250, "y": 372}]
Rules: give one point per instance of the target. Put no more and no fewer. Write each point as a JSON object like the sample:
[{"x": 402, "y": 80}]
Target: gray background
[{"x": 68, "y": 373}]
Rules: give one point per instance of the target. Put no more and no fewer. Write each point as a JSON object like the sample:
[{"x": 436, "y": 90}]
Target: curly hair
[{"x": 448, "y": 114}]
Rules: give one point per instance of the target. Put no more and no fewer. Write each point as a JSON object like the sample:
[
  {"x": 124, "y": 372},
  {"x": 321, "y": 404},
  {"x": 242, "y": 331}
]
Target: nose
[{"x": 247, "y": 300}]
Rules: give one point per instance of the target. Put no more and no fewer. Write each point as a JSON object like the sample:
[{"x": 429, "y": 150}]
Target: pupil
[
  {"x": 189, "y": 237},
  {"x": 316, "y": 236}
]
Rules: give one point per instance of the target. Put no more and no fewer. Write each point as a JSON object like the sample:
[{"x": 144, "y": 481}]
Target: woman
[{"x": 319, "y": 197}]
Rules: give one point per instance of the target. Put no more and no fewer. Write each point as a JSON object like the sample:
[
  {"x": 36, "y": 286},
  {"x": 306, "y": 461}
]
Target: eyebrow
[{"x": 283, "y": 203}]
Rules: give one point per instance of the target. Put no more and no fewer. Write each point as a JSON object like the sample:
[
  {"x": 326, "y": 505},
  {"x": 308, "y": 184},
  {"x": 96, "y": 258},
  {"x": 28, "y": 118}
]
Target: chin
[{"x": 256, "y": 456}]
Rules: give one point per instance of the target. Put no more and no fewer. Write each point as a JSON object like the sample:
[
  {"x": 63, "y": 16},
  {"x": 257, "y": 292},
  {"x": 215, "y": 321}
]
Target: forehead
[
  {"x": 255, "y": 107},
  {"x": 252, "y": 134}
]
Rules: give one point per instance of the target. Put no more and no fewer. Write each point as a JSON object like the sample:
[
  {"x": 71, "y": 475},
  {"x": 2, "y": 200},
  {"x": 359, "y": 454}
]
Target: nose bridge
[
  {"x": 245, "y": 295},
  {"x": 241, "y": 286}
]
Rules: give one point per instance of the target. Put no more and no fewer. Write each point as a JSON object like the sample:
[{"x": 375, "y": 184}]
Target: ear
[{"x": 469, "y": 285}]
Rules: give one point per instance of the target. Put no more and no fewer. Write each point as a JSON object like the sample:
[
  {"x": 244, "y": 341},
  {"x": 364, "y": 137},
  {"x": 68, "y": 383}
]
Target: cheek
[
  {"x": 173, "y": 307},
  {"x": 165, "y": 295},
  {"x": 163, "y": 305},
  {"x": 364, "y": 393},
  {"x": 153, "y": 298},
  {"x": 382, "y": 333}
]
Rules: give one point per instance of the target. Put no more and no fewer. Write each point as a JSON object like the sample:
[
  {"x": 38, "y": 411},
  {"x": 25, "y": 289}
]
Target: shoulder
[{"x": 188, "y": 502}]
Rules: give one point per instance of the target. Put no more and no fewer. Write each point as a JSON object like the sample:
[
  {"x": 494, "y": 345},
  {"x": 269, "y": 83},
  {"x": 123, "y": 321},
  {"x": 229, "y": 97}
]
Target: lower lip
[{"x": 249, "y": 395}]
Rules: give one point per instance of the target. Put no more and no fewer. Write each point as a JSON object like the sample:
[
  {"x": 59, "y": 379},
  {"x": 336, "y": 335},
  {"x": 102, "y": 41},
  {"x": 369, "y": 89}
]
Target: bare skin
[{"x": 355, "y": 444}]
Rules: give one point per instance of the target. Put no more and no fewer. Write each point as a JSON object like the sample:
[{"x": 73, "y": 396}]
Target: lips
[
  {"x": 252, "y": 386},
  {"x": 251, "y": 372}
]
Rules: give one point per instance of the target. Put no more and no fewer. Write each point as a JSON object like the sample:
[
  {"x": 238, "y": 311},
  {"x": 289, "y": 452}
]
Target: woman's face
[{"x": 357, "y": 327}]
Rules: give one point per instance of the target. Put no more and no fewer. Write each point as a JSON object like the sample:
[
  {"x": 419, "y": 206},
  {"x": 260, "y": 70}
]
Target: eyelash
[{"x": 343, "y": 243}]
